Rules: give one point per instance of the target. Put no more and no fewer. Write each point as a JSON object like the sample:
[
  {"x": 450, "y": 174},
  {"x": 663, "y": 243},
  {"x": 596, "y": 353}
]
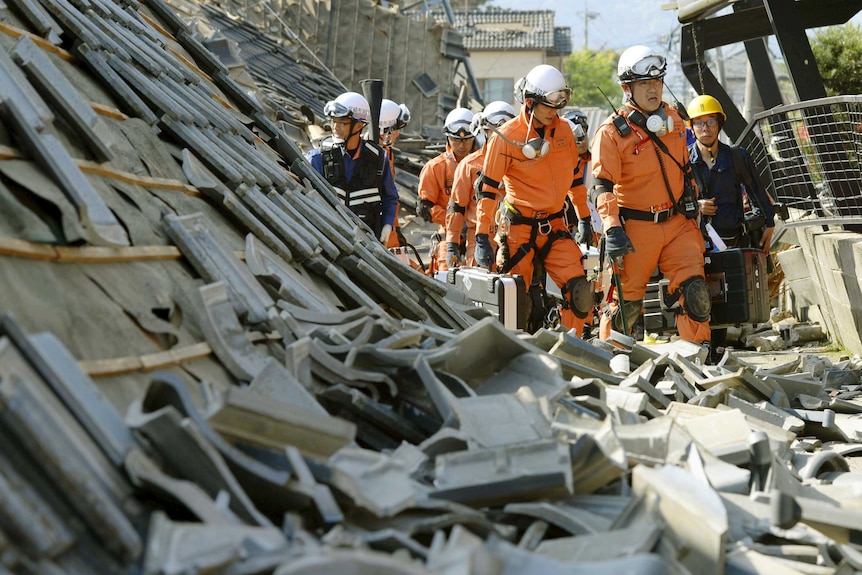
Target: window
[{"x": 497, "y": 89}]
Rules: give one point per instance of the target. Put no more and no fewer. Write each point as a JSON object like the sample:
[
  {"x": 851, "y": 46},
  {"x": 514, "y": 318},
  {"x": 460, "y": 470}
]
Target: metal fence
[{"x": 808, "y": 157}]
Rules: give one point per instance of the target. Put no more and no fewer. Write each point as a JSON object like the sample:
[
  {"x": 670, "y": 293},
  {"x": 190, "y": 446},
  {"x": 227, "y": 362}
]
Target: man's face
[
  {"x": 705, "y": 133},
  {"x": 389, "y": 136},
  {"x": 544, "y": 115},
  {"x": 461, "y": 145},
  {"x": 647, "y": 94},
  {"x": 341, "y": 128}
]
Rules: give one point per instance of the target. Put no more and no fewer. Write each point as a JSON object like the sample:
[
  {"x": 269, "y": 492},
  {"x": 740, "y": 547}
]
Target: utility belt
[
  {"x": 657, "y": 213},
  {"x": 509, "y": 215}
]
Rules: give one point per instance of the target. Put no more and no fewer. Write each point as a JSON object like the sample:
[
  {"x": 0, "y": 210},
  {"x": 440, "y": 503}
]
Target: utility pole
[{"x": 587, "y": 17}]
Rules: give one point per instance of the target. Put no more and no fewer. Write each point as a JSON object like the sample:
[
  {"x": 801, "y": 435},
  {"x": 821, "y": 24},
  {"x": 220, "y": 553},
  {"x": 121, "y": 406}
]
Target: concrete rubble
[{"x": 208, "y": 365}]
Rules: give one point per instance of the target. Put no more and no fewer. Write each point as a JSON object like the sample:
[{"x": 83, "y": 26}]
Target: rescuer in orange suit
[
  {"x": 534, "y": 157},
  {"x": 393, "y": 117},
  {"x": 644, "y": 192},
  {"x": 462, "y": 204},
  {"x": 578, "y": 215},
  {"x": 437, "y": 175}
]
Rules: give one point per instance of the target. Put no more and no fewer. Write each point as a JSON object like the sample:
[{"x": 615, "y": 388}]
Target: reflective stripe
[{"x": 364, "y": 196}]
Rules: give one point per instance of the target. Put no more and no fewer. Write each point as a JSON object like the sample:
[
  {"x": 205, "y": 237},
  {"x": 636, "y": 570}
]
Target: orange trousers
[{"x": 676, "y": 247}]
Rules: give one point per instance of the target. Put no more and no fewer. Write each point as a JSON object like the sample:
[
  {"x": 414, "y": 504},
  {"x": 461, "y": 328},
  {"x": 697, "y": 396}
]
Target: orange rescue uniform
[
  {"x": 675, "y": 245},
  {"x": 537, "y": 189},
  {"x": 435, "y": 186},
  {"x": 462, "y": 203}
]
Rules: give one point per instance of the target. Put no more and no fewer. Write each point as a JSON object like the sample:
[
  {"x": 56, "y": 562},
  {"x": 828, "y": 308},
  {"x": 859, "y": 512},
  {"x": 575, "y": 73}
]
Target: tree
[
  {"x": 587, "y": 69},
  {"x": 838, "y": 52}
]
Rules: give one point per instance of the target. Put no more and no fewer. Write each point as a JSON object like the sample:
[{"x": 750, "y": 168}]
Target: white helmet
[
  {"x": 577, "y": 130},
  {"x": 458, "y": 123},
  {"x": 640, "y": 63},
  {"x": 497, "y": 113},
  {"x": 544, "y": 84},
  {"x": 403, "y": 116},
  {"x": 389, "y": 112},
  {"x": 349, "y": 105}
]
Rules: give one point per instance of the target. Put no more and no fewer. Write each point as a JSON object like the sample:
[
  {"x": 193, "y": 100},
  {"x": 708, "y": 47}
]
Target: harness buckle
[
  {"x": 544, "y": 227},
  {"x": 540, "y": 215}
]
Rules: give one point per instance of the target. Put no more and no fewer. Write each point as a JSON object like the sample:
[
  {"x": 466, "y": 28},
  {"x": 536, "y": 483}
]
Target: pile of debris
[{"x": 208, "y": 365}]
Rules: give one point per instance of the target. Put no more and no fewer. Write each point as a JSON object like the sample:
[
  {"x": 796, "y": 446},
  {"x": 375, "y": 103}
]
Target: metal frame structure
[{"x": 751, "y": 22}]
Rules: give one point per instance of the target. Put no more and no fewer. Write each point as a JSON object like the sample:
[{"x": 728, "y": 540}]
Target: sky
[{"x": 610, "y": 24}]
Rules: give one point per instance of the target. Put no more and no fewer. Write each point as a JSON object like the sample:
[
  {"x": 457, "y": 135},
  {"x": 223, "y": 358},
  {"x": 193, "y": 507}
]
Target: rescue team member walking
[
  {"x": 648, "y": 204},
  {"x": 437, "y": 175},
  {"x": 534, "y": 157},
  {"x": 725, "y": 179},
  {"x": 393, "y": 117},
  {"x": 359, "y": 169},
  {"x": 462, "y": 204}
]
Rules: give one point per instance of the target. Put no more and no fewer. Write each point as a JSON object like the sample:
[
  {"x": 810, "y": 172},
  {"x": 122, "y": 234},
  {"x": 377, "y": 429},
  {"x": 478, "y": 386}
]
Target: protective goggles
[
  {"x": 556, "y": 99},
  {"x": 403, "y": 117},
  {"x": 458, "y": 131},
  {"x": 335, "y": 109},
  {"x": 461, "y": 136},
  {"x": 650, "y": 67}
]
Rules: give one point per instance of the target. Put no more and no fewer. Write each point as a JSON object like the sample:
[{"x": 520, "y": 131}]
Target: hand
[
  {"x": 484, "y": 253},
  {"x": 707, "y": 207},
  {"x": 384, "y": 234},
  {"x": 584, "y": 235},
  {"x": 452, "y": 259},
  {"x": 617, "y": 243},
  {"x": 423, "y": 210}
]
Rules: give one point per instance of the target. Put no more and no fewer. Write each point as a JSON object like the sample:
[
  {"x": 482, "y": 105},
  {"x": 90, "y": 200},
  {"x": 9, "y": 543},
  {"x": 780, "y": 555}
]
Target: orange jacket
[
  {"x": 531, "y": 186},
  {"x": 578, "y": 192},
  {"x": 463, "y": 195},
  {"x": 631, "y": 163},
  {"x": 435, "y": 184}
]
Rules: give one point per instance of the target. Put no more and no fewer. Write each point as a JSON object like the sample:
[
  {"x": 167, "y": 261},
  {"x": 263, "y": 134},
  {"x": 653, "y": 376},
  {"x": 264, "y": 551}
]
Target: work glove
[
  {"x": 584, "y": 235},
  {"x": 484, "y": 253},
  {"x": 384, "y": 234},
  {"x": 617, "y": 243},
  {"x": 452, "y": 250}
]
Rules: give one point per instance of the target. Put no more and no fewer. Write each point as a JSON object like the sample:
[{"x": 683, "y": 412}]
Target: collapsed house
[{"x": 208, "y": 365}]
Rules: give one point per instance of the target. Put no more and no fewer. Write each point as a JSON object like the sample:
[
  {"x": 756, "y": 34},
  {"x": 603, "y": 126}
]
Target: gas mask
[{"x": 659, "y": 123}]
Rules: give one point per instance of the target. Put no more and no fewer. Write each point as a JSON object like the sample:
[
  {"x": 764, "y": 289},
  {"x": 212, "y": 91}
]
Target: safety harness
[{"x": 538, "y": 225}]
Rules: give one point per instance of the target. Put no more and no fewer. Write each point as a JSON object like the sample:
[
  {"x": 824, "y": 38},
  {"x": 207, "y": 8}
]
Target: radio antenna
[{"x": 620, "y": 122}]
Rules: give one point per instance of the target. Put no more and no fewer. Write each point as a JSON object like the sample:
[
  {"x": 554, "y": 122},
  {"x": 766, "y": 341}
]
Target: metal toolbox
[{"x": 503, "y": 295}]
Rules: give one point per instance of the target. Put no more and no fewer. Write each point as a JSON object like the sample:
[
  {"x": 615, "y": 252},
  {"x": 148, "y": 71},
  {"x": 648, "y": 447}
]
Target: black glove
[
  {"x": 452, "y": 256},
  {"x": 584, "y": 235},
  {"x": 617, "y": 243},
  {"x": 484, "y": 253},
  {"x": 423, "y": 209}
]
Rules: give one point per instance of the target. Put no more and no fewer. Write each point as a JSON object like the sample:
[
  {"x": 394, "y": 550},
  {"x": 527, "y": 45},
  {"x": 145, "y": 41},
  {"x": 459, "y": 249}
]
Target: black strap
[
  {"x": 525, "y": 248},
  {"x": 685, "y": 169}
]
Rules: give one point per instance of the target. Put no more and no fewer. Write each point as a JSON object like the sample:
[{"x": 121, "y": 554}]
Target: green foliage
[
  {"x": 586, "y": 69},
  {"x": 838, "y": 51}
]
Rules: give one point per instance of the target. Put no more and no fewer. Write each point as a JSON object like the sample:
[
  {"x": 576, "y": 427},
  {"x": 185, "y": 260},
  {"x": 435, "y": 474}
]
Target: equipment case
[
  {"x": 504, "y": 295},
  {"x": 739, "y": 286}
]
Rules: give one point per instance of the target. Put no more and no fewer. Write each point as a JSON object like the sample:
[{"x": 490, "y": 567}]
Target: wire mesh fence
[{"x": 808, "y": 158}]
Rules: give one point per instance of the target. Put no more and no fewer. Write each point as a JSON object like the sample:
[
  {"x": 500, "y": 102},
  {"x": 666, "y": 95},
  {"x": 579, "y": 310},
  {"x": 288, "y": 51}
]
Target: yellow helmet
[{"x": 703, "y": 105}]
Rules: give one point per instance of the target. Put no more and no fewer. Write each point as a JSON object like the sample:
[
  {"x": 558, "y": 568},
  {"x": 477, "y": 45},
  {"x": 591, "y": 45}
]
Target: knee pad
[
  {"x": 579, "y": 292},
  {"x": 630, "y": 311},
  {"x": 696, "y": 301}
]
